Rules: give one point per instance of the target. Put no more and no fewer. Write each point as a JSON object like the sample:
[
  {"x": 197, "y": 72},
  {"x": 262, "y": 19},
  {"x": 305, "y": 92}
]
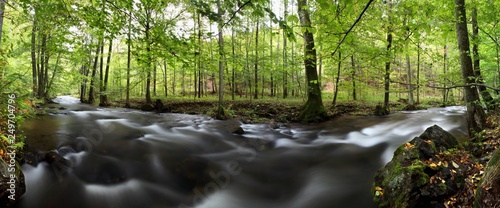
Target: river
[{"x": 127, "y": 158}]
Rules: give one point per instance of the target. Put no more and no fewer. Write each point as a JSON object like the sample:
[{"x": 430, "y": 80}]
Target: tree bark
[
  {"x": 337, "y": 79},
  {"x": 476, "y": 117},
  {"x": 33, "y": 56},
  {"x": 256, "y": 62},
  {"x": 313, "y": 110},
  {"x": 129, "y": 43},
  {"x": 285, "y": 58},
  {"x": 387, "y": 75},
  {"x": 94, "y": 72},
  {"x": 220, "y": 109},
  {"x": 149, "y": 59},
  {"x": 104, "y": 101},
  {"x": 353, "y": 77},
  {"x": 476, "y": 63}
]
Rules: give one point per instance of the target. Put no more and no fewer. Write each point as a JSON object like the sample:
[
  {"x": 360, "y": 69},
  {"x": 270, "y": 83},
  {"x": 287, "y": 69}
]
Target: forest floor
[{"x": 258, "y": 111}]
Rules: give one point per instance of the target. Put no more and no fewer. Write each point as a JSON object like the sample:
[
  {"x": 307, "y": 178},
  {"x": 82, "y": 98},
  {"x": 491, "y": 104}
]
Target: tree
[
  {"x": 387, "y": 75},
  {"x": 313, "y": 109},
  {"x": 476, "y": 62},
  {"x": 220, "y": 109},
  {"x": 476, "y": 117}
]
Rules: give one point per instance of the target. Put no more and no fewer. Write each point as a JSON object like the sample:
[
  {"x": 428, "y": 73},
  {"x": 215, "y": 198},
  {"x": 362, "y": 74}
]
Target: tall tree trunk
[
  {"x": 476, "y": 63},
  {"x": 256, "y": 62},
  {"x": 149, "y": 59},
  {"x": 101, "y": 74},
  {"x": 104, "y": 101},
  {"x": 33, "y": 57},
  {"x": 165, "y": 76},
  {"x": 233, "y": 55},
  {"x": 445, "y": 69},
  {"x": 94, "y": 72},
  {"x": 418, "y": 72},
  {"x": 476, "y": 117},
  {"x": 409, "y": 75},
  {"x": 313, "y": 110},
  {"x": 387, "y": 76},
  {"x": 337, "y": 79},
  {"x": 220, "y": 109},
  {"x": 200, "y": 80},
  {"x": 54, "y": 72},
  {"x": 353, "y": 78},
  {"x": 285, "y": 58},
  {"x": 41, "y": 68},
  {"x": 129, "y": 57}
]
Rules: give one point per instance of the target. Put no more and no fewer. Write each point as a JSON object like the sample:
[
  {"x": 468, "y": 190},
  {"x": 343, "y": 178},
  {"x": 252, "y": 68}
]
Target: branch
[
  {"x": 236, "y": 12},
  {"x": 465, "y": 85},
  {"x": 352, "y": 26},
  {"x": 450, "y": 87}
]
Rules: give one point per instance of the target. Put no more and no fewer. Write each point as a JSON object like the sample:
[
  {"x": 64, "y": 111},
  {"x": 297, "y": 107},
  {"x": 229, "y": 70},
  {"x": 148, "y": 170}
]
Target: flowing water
[{"x": 125, "y": 159}]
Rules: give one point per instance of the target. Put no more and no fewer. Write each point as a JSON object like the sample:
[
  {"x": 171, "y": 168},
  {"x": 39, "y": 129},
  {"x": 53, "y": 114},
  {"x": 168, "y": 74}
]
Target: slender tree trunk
[
  {"x": 54, "y": 72},
  {"x": 313, "y": 110},
  {"x": 200, "y": 80},
  {"x": 104, "y": 101},
  {"x": 387, "y": 77},
  {"x": 165, "y": 84},
  {"x": 129, "y": 43},
  {"x": 337, "y": 79},
  {"x": 33, "y": 56},
  {"x": 353, "y": 78},
  {"x": 418, "y": 72},
  {"x": 149, "y": 59},
  {"x": 409, "y": 75},
  {"x": 93, "y": 75},
  {"x": 256, "y": 62},
  {"x": 476, "y": 63},
  {"x": 476, "y": 117},
  {"x": 233, "y": 55},
  {"x": 285, "y": 58},
  {"x": 220, "y": 110},
  {"x": 101, "y": 74},
  {"x": 41, "y": 69}
]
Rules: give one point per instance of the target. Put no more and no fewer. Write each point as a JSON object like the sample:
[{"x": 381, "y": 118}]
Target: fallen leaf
[{"x": 454, "y": 164}]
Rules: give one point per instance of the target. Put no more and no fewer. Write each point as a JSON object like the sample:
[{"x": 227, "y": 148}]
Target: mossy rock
[{"x": 408, "y": 180}]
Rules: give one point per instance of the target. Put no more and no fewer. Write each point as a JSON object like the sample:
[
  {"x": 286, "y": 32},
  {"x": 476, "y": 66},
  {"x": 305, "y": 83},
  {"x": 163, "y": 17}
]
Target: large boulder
[{"x": 415, "y": 178}]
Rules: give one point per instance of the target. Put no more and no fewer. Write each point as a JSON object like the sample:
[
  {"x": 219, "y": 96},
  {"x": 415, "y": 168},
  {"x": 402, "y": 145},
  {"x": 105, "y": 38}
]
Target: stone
[
  {"x": 443, "y": 139},
  {"x": 409, "y": 181}
]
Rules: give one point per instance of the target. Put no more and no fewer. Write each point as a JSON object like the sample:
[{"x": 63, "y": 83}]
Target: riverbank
[{"x": 257, "y": 111}]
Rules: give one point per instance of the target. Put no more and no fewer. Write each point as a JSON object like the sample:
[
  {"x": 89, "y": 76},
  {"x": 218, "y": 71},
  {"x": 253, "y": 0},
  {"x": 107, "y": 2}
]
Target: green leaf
[{"x": 292, "y": 18}]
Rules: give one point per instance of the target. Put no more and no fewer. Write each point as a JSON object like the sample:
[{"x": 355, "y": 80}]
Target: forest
[
  {"x": 254, "y": 58},
  {"x": 372, "y": 51}
]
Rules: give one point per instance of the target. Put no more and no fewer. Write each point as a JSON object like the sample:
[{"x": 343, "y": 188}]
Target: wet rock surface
[{"x": 415, "y": 178}]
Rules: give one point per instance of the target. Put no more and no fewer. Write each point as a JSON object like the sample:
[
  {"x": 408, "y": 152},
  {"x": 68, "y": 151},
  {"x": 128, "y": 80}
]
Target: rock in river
[{"x": 413, "y": 179}]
